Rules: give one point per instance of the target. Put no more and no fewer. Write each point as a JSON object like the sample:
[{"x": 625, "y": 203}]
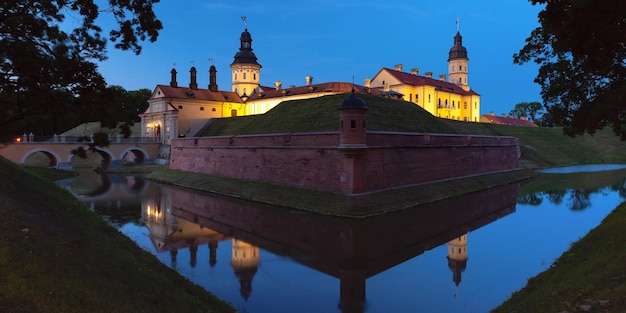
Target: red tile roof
[
  {"x": 198, "y": 94},
  {"x": 330, "y": 87},
  {"x": 416, "y": 80},
  {"x": 502, "y": 120}
]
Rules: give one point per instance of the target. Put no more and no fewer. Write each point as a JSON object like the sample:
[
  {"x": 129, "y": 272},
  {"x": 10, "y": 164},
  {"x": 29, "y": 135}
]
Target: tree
[
  {"x": 47, "y": 67},
  {"x": 580, "y": 46},
  {"x": 527, "y": 109}
]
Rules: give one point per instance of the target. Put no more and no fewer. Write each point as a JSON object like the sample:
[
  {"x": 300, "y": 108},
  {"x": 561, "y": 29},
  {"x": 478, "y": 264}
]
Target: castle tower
[
  {"x": 245, "y": 261},
  {"x": 457, "y": 63},
  {"x": 457, "y": 257},
  {"x": 245, "y": 68}
]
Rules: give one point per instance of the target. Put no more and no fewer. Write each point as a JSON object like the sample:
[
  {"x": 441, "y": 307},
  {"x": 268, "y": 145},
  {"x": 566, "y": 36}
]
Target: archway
[
  {"x": 134, "y": 155},
  {"x": 46, "y": 158},
  {"x": 100, "y": 158}
]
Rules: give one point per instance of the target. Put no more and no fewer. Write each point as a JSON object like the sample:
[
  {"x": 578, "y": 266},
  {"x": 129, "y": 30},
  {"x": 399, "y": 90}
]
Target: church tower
[
  {"x": 246, "y": 69},
  {"x": 457, "y": 62}
]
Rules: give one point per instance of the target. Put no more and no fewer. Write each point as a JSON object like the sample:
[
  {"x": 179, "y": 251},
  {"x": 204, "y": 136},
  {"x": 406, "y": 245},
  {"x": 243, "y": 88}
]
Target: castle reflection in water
[{"x": 351, "y": 250}]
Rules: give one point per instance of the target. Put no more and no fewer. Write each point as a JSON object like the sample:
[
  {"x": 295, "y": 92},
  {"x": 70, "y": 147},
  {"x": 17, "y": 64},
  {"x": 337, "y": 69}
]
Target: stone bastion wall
[{"x": 317, "y": 161}]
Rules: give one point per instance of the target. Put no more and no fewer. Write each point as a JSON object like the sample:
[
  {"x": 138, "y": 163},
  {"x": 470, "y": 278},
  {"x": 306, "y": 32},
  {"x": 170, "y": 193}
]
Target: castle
[{"x": 175, "y": 111}]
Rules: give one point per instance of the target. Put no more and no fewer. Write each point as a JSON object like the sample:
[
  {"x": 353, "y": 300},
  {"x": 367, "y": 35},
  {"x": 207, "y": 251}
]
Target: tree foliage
[
  {"x": 580, "y": 46},
  {"x": 48, "y": 51},
  {"x": 527, "y": 109}
]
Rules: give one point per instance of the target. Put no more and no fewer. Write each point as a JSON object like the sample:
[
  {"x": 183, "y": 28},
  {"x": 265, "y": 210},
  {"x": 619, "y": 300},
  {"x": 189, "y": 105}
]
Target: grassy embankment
[{"x": 56, "y": 256}]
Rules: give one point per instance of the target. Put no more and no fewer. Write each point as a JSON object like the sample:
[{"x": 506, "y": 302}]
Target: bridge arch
[
  {"x": 106, "y": 154},
  {"x": 140, "y": 154},
  {"x": 53, "y": 157}
]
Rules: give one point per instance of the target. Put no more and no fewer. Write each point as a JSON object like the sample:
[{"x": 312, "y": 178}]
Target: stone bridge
[{"x": 58, "y": 150}]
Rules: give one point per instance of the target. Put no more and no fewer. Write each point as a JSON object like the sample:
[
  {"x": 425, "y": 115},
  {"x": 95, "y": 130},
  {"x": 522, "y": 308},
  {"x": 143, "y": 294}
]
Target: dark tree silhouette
[
  {"x": 47, "y": 67},
  {"x": 580, "y": 47}
]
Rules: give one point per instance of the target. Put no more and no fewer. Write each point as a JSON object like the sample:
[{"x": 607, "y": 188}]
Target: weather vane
[
  {"x": 244, "y": 19},
  {"x": 458, "y": 24},
  {"x": 211, "y": 60},
  {"x": 174, "y": 65}
]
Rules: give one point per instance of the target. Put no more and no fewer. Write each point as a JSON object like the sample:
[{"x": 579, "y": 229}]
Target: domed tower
[
  {"x": 457, "y": 63},
  {"x": 246, "y": 69},
  {"x": 457, "y": 257},
  {"x": 352, "y": 122}
]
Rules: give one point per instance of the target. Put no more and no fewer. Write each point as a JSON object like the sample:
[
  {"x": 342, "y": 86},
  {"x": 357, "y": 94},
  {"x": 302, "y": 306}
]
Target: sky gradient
[{"x": 338, "y": 41}]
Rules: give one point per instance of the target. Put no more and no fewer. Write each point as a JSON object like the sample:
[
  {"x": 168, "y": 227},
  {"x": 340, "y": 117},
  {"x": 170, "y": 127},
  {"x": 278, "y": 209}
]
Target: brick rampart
[{"x": 315, "y": 160}]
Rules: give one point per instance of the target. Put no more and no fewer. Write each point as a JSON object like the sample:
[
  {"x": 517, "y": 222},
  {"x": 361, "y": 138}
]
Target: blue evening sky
[{"x": 336, "y": 41}]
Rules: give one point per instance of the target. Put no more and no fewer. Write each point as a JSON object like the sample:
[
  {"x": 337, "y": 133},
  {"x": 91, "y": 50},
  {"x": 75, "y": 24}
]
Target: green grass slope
[
  {"x": 57, "y": 256},
  {"x": 540, "y": 147}
]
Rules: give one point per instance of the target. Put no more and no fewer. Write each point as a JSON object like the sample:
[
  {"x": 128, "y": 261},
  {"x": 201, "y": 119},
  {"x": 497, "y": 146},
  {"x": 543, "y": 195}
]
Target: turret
[
  {"x": 173, "y": 82},
  {"x": 193, "y": 84},
  {"x": 213, "y": 78},
  {"x": 352, "y": 122}
]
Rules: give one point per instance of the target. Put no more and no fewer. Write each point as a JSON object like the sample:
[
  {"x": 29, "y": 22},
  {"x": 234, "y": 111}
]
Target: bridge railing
[{"x": 119, "y": 139}]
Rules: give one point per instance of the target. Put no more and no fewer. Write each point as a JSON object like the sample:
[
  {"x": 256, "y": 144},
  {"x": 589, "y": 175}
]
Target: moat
[{"x": 466, "y": 254}]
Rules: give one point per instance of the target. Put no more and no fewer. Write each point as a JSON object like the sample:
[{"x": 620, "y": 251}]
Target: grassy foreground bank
[
  {"x": 589, "y": 277},
  {"x": 56, "y": 256}
]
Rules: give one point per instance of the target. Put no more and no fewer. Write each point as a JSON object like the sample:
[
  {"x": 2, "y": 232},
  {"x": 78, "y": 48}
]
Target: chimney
[
  {"x": 193, "y": 84},
  {"x": 309, "y": 80},
  {"x": 278, "y": 85},
  {"x": 399, "y": 67},
  {"x": 491, "y": 113},
  {"x": 387, "y": 87},
  {"x": 429, "y": 74},
  {"x": 212, "y": 78},
  {"x": 367, "y": 82},
  {"x": 442, "y": 77},
  {"x": 173, "y": 82},
  {"x": 415, "y": 71}
]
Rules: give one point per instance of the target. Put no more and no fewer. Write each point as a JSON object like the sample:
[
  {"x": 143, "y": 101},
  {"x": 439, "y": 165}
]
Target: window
[
  {"x": 465, "y": 105},
  {"x": 201, "y": 108},
  {"x": 352, "y": 124},
  {"x": 460, "y": 81},
  {"x": 244, "y": 75},
  {"x": 410, "y": 98},
  {"x": 254, "y": 76},
  {"x": 212, "y": 109},
  {"x": 460, "y": 67},
  {"x": 416, "y": 97},
  {"x": 180, "y": 107},
  {"x": 429, "y": 98},
  {"x": 235, "y": 76}
]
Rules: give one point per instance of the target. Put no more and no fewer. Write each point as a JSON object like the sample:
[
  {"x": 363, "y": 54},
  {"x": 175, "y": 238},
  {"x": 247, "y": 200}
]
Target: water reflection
[
  {"x": 574, "y": 189},
  {"x": 264, "y": 259}
]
